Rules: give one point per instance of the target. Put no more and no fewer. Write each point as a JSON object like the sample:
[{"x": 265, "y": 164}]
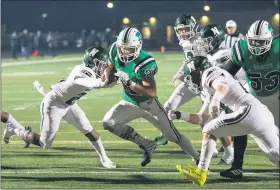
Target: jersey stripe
[
  {"x": 111, "y": 49},
  {"x": 143, "y": 63},
  {"x": 258, "y": 27},
  {"x": 238, "y": 52},
  {"x": 238, "y": 118},
  {"x": 126, "y": 34}
]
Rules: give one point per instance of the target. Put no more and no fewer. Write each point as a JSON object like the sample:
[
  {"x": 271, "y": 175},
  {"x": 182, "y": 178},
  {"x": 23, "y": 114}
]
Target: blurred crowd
[{"x": 26, "y": 43}]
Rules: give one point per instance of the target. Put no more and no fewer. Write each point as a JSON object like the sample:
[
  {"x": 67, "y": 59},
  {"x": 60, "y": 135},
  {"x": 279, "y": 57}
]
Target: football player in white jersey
[
  {"x": 249, "y": 116},
  {"x": 60, "y": 103}
]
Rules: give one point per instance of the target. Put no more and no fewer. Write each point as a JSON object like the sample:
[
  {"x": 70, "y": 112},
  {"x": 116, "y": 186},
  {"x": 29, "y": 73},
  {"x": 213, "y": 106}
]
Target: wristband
[
  {"x": 131, "y": 84},
  {"x": 178, "y": 114},
  {"x": 185, "y": 116}
]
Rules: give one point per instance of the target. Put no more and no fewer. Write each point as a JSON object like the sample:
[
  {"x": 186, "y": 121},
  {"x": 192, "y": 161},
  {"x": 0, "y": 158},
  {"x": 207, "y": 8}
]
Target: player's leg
[
  {"x": 272, "y": 102},
  {"x": 179, "y": 97},
  {"x": 51, "y": 115},
  {"x": 158, "y": 117},
  {"x": 116, "y": 120},
  {"x": 233, "y": 123},
  {"x": 77, "y": 117},
  {"x": 12, "y": 123},
  {"x": 266, "y": 134}
]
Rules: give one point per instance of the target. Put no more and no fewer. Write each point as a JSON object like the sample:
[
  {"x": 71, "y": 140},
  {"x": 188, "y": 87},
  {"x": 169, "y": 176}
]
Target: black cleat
[
  {"x": 233, "y": 173},
  {"x": 148, "y": 151},
  {"x": 26, "y": 144}
]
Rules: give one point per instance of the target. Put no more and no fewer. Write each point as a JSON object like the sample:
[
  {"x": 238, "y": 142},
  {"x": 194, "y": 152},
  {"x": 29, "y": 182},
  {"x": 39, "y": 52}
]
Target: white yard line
[
  {"x": 105, "y": 141},
  {"x": 99, "y": 121},
  {"x": 31, "y": 62},
  {"x": 119, "y": 173}
]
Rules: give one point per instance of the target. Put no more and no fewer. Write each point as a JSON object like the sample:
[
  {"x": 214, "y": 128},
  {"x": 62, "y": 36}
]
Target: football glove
[
  {"x": 123, "y": 77},
  {"x": 178, "y": 78},
  {"x": 173, "y": 114}
]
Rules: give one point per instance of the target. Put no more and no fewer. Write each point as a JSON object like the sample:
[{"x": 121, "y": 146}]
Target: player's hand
[
  {"x": 178, "y": 78},
  {"x": 214, "y": 108},
  {"x": 123, "y": 76},
  {"x": 173, "y": 114}
]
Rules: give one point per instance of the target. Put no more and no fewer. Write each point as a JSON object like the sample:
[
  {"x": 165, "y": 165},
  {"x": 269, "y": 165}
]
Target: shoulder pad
[{"x": 210, "y": 74}]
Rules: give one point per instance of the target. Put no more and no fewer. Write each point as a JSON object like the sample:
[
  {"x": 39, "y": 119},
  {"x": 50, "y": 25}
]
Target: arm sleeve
[{"x": 88, "y": 82}]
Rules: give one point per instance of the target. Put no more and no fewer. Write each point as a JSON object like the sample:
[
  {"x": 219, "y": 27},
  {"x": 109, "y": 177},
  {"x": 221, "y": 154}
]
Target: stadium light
[
  {"x": 276, "y": 17},
  {"x": 125, "y": 20},
  {"x": 110, "y": 5},
  {"x": 204, "y": 19},
  {"x": 207, "y": 8},
  {"x": 153, "y": 20}
]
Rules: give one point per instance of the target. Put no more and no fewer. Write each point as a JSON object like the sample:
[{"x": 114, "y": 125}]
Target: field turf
[{"x": 72, "y": 163}]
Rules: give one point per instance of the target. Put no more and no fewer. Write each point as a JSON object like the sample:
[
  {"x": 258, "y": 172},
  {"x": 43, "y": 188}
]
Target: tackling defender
[
  {"x": 60, "y": 103},
  {"x": 249, "y": 116},
  {"x": 258, "y": 55},
  {"x": 136, "y": 69}
]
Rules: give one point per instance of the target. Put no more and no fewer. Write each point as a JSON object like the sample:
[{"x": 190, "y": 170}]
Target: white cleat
[
  {"x": 107, "y": 163},
  {"x": 8, "y": 133}
]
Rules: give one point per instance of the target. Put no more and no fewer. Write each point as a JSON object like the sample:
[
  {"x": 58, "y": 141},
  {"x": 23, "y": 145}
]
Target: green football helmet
[
  {"x": 193, "y": 71},
  {"x": 210, "y": 38},
  {"x": 185, "y": 27},
  {"x": 96, "y": 58}
]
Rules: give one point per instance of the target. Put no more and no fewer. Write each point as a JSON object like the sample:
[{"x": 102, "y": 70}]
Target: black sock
[{"x": 240, "y": 144}]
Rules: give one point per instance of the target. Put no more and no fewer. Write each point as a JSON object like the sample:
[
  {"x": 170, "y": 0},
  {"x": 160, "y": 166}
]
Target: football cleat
[
  {"x": 8, "y": 133},
  {"x": 193, "y": 173},
  {"x": 161, "y": 140},
  {"x": 107, "y": 163},
  {"x": 26, "y": 144},
  {"x": 148, "y": 151},
  {"x": 233, "y": 173}
]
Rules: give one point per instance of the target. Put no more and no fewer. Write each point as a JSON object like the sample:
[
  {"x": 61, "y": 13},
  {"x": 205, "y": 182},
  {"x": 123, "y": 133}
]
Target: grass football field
[{"x": 72, "y": 162}]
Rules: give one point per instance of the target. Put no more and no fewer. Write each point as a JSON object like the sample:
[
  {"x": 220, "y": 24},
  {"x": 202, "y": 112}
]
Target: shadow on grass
[{"x": 133, "y": 179}]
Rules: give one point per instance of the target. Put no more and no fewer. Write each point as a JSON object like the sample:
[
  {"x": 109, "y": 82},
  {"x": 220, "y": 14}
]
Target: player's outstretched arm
[{"x": 193, "y": 118}]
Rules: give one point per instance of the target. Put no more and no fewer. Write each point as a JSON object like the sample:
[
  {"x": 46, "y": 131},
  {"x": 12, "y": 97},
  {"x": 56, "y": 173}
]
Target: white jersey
[
  {"x": 221, "y": 58},
  {"x": 236, "y": 97},
  {"x": 79, "y": 82}
]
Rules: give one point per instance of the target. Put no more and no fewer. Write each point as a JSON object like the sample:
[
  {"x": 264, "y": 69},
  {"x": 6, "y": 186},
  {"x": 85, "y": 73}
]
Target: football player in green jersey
[
  {"x": 258, "y": 55},
  {"x": 136, "y": 69}
]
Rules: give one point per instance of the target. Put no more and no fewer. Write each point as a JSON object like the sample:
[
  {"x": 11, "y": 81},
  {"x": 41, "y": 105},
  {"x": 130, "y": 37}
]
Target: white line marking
[
  {"x": 122, "y": 173},
  {"x": 20, "y": 74},
  {"x": 135, "y": 121},
  {"x": 55, "y": 60}
]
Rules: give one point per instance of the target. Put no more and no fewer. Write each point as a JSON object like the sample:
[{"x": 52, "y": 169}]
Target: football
[{"x": 112, "y": 77}]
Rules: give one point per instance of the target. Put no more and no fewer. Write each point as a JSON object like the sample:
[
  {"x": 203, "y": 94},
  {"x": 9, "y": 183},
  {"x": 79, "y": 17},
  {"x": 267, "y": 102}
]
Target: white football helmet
[
  {"x": 129, "y": 44},
  {"x": 259, "y": 37}
]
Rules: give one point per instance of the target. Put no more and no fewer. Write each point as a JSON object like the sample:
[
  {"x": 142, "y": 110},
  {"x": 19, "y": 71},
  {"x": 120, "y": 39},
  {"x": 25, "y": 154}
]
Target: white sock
[
  {"x": 207, "y": 149},
  {"x": 98, "y": 146},
  {"x": 14, "y": 122},
  {"x": 188, "y": 147},
  {"x": 229, "y": 150},
  {"x": 20, "y": 132}
]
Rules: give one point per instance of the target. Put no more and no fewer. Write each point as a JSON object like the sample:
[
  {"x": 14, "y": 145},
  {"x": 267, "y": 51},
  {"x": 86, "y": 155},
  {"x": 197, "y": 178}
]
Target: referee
[
  {"x": 232, "y": 35},
  {"x": 240, "y": 142}
]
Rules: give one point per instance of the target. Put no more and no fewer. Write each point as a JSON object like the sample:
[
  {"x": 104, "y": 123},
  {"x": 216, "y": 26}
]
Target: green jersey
[
  {"x": 262, "y": 72},
  {"x": 138, "y": 70}
]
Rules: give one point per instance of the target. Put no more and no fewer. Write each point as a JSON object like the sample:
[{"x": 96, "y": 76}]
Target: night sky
[{"x": 74, "y": 15}]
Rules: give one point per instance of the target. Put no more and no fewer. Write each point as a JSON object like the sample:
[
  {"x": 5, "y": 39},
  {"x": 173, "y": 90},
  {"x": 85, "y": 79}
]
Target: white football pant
[{"x": 52, "y": 111}]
